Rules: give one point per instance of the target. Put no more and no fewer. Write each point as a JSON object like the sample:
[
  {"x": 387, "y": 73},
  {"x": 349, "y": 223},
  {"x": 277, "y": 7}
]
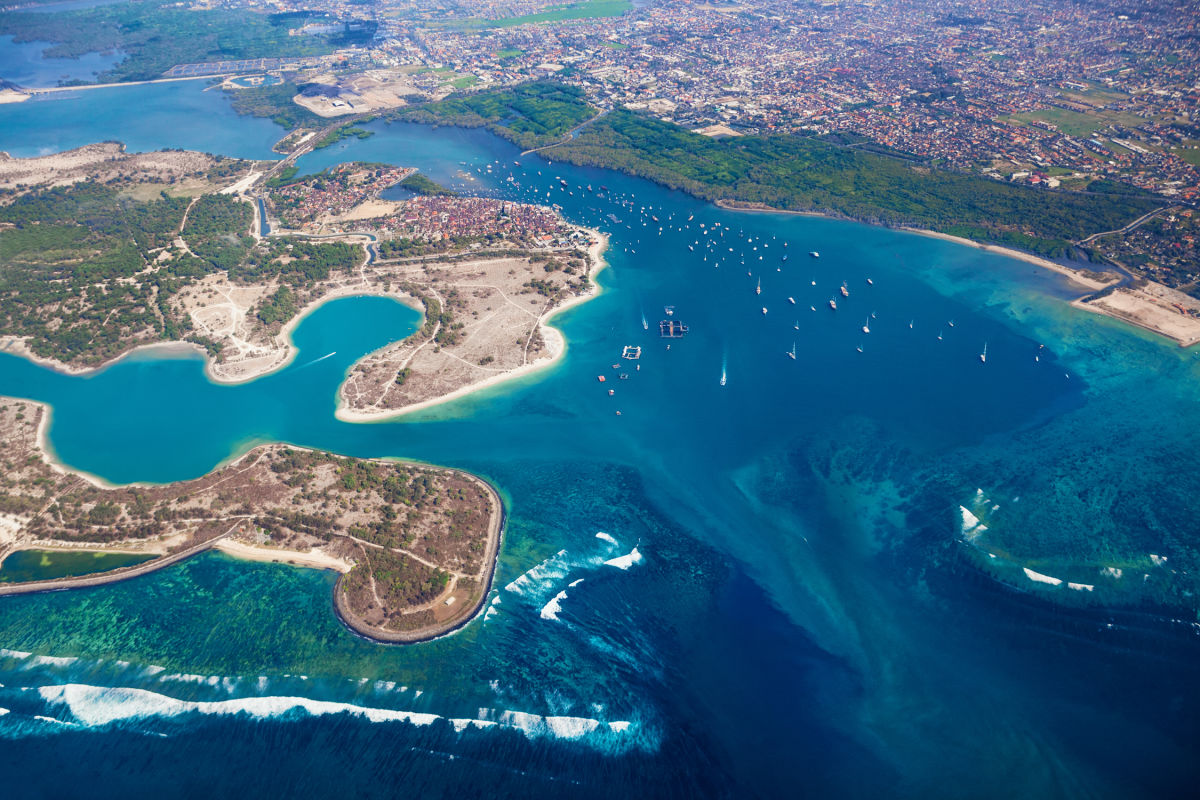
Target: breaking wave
[{"x": 97, "y": 706}]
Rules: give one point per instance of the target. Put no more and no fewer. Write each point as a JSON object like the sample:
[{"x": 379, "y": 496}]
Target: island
[{"x": 108, "y": 251}]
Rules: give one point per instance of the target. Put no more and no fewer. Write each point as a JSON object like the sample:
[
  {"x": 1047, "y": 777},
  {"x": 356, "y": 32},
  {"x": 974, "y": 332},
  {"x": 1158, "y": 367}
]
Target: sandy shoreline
[
  {"x": 313, "y": 559},
  {"x": 1076, "y": 276}
]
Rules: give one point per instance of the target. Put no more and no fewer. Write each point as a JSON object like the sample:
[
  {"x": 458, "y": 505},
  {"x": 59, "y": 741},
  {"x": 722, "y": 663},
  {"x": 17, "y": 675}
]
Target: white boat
[
  {"x": 833, "y": 304},
  {"x": 814, "y": 254},
  {"x": 796, "y": 324},
  {"x": 792, "y": 300},
  {"x": 910, "y": 324},
  {"x": 792, "y": 353},
  {"x": 867, "y": 326},
  {"x": 764, "y": 309},
  {"x": 758, "y": 289},
  {"x": 983, "y": 355},
  {"x": 845, "y": 292},
  {"x": 670, "y": 310},
  {"x": 870, "y": 282}
]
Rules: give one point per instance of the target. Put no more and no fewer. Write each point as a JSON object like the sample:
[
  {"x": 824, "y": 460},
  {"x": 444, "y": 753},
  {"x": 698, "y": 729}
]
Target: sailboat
[
  {"x": 792, "y": 353},
  {"x": 983, "y": 355}
]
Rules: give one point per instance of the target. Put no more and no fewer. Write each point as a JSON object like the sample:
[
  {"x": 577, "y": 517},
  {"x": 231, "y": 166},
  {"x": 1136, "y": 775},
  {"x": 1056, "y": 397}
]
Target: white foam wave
[
  {"x": 94, "y": 706},
  {"x": 969, "y": 522},
  {"x": 1040, "y": 578},
  {"x": 606, "y": 537},
  {"x": 1081, "y": 587},
  {"x": 51, "y": 661},
  {"x": 626, "y": 561},
  {"x": 551, "y": 609},
  {"x": 1113, "y": 572},
  {"x": 530, "y": 582},
  {"x": 4, "y": 653}
]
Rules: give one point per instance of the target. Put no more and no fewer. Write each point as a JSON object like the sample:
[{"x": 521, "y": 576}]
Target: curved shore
[
  {"x": 333, "y": 547},
  {"x": 556, "y": 345},
  {"x": 360, "y": 627},
  {"x": 342, "y": 610}
]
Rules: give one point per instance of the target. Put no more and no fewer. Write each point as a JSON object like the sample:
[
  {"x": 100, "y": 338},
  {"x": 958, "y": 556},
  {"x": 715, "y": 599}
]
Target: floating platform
[
  {"x": 631, "y": 352},
  {"x": 672, "y": 329}
]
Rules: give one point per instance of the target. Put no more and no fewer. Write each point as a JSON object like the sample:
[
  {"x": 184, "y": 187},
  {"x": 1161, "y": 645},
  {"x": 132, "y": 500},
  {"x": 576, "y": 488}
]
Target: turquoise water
[
  {"x": 24, "y": 65},
  {"x": 40, "y": 565},
  {"x": 802, "y": 620},
  {"x": 145, "y": 118}
]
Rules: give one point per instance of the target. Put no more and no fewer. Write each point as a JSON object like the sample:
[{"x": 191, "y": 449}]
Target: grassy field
[
  {"x": 585, "y": 9},
  {"x": 1074, "y": 123}
]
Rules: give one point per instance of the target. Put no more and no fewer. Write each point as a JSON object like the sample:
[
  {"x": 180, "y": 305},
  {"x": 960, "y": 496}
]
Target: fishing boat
[
  {"x": 792, "y": 353},
  {"x": 833, "y": 303},
  {"x": 723, "y": 377},
  {"x": 845, "y": 292},
  {"x": 670, "y": 310},
  {"x": 758, "y": 289},
  {"x": 764, "y": 309}
]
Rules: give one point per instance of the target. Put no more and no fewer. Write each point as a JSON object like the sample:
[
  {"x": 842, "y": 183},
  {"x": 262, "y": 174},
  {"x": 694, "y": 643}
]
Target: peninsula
[{"x": 415, "y": 545}]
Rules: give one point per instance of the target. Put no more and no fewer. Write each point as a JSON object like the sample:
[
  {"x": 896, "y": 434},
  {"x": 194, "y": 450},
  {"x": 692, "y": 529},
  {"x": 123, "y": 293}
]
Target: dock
[{"x": 672, "y": 329}]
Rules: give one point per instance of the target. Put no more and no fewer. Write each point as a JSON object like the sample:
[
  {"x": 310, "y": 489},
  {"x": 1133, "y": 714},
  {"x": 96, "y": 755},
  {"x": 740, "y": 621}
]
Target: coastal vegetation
[
  {"x": 419, "y": 184},
  {"x": 90, "y": 271},
  {"x": 156, "y": 37},
  {"x": 275, "y": 103},
  {"x": 342, "y": 132},
  {"x": 417, "y": 543},
  {"x": 791, "y": 172},
  {"x": 531, "y": 115}
]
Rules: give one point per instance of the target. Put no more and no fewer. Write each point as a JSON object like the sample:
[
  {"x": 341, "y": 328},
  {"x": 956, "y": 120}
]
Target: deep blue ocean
[{"x": 799, "y": 620}]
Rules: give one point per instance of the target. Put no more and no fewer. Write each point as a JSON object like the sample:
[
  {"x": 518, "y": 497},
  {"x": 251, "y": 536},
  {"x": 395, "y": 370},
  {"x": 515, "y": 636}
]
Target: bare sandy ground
[
  {"x": 1154, "y": 307},
  {"x": 315, "y": 558},
  {"x": 103, "y": 161},
  {"x": 498, "y": 313},
  {"x": 356, "y": 94}
]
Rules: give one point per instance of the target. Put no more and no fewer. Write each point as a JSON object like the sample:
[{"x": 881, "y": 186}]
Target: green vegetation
[
  {"x": 279, "y": 307},
  {"x": 76, "y": 278},
  {"x": 804, "y": 174},
  {"x": 1075, "y": 123},
  {"x": 529, "y": 115},
  {"x": 90, "y": 272},
  {"x": 215, "y": 230},
  {"x": 509, "y": 52},
  {"x": 584, "y": 9},
  {"x": 276, "y": 103},
  {"x": 156, "y": 38},
  {"x": 419, "y": 184},
  {"x": 41, "y": 565},
  {"x": 342, "y": 132}
]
